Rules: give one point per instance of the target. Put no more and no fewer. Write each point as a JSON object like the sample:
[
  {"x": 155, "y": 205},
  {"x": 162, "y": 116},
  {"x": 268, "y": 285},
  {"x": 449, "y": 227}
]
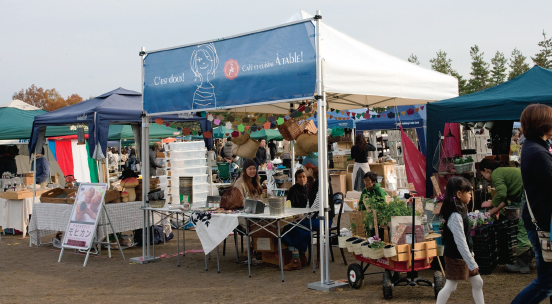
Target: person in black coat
[
  {"x": 298, "y": 193},
  {"x": 260, "y": 158},
  {"x": 536, "y": 172}
]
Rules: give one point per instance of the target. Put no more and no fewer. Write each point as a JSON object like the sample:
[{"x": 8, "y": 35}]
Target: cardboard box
[
  {"x": 339, "y": 182},
  {"x": 266, "y": 244},
  {"x": 352, "y": 203},
  {"x": 353, "y": 194},
  {"x": 392, "y": 193},
  {"x": 349, "y": 182},
  {"x": 339, "y": 158},
  {"x": 340, "y": 165},
  {"x": 345, "y": 144},
  {"x": 160, "y": 154}
]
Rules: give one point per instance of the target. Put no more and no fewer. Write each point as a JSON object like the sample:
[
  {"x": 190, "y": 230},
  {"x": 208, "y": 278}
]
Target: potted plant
[
  {"x": 376, "y": 248},
  {"x": 512, "y": 211},
  {"x": 479, "y": 220},
  {"x": 469, "y": 164},
  {"x": 389, "y": 251},
  {"x": 458, "y": 165}
]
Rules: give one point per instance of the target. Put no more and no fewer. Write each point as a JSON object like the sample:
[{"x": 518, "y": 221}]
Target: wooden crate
[
  {"x": 58, "y": 196},
  {"x": 19, "y": 195}
]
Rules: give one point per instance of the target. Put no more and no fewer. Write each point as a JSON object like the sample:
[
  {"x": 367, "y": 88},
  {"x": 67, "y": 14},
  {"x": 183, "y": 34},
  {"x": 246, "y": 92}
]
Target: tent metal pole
[
  {"x": 325, "y": 284},
  {"x": 292, "y": 155},
  {"x": 145, "y": 258},
  {"x": 34, "y": 194}
]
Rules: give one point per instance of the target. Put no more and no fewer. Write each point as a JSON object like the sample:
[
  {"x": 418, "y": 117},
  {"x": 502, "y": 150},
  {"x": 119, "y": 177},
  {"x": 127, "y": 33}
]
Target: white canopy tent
[{"x": 349, "y": 74}]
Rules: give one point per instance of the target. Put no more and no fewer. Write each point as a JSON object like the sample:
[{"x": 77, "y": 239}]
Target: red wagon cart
[{"x": 422, "y": 258}]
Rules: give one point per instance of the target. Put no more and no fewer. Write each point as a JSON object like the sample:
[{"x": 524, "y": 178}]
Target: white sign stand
[{"x": 81, "y": 232}]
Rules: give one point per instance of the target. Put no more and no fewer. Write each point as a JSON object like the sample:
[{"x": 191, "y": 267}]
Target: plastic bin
[
  {"x": 183, "y": 146},
  {"x": 186, "y": 154},
  {"x": 200, "y": 197},
  {"x": 182, "y": 171},
  {"x": 177, "y": 163}
]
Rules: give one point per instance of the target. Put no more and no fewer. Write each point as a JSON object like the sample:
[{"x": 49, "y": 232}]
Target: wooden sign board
[
  {"x": 419, "y": 205},
  {"x": 82, "y": 225},
  {"x": 397, "y": 236},
  {"x": 435, "y": 186}
]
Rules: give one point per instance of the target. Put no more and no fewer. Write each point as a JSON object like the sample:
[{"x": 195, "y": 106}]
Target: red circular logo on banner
[{"x": 231, "y": 69}]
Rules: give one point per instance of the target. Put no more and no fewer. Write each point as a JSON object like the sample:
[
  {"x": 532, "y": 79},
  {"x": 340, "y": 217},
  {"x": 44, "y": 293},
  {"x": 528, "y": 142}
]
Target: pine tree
[
  {"x": 517, "y": 64},
  {"x": 498, "y": 72},
  {"x": 544, "y": 57},
  {"x": 443, "y": 64},
  {"x": 414, "y": 59},
  {"x": 480, "y": 71}
]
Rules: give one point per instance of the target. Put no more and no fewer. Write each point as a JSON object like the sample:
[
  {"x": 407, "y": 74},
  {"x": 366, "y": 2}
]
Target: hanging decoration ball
[
  {"x": 186, "y": 131},
  {"x": 194, "y": 132},
  {"x": 168, "y": 124},
  {"x": 247, "y": 127},
  {"x": 203, "y": 114},
  {"x": 210, "y": 117},
  {"x": 308, "y": 110},
  {"x": 301, "y": 108},
  {"x": 228, "y": 125},
  {"x": 159, "y": 121},
  {"x": 271, "y": 118},
  {"x": 178, "y": 128},
  {"x": 235, "y": 134},
  {"x": 266, "y": 126},
  {"x": 261, "y": 119},
  {"x": 280, "y": 120},
  {"x": 410, "y": 111},
  {"x": 217, "y": 121},
  {"x": 253, "y": 128},
  {"x": 241, "y": 127},
  {"x": 245, "y": 120},
  {"x": 207, "y": 134}
]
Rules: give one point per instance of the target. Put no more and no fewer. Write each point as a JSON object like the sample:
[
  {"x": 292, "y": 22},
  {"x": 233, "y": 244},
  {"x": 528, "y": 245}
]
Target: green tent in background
[
  {"x": 117, "y": 132},
  {"x": 218, "y": 132},
  {"x": 267, "y": 134},
  {"x": 16, "y": 121}
]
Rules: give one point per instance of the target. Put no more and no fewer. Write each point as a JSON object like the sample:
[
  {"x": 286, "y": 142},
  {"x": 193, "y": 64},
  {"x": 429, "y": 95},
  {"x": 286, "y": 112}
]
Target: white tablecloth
[
  {"x": 15, "y": 213},
  {"x": 51, "y": 218}
]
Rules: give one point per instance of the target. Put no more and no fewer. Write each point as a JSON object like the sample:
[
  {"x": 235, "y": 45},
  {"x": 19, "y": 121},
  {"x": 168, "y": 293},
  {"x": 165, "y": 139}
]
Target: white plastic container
[
  {"x": 200, "y": 197},
  {"x": 189, "y": 145},
  {"x": 183, "y": 171},
  {"x": 185, "y": 154},
  {"x": 177, "y": 163},
  {"x": 196, "y": 188}
]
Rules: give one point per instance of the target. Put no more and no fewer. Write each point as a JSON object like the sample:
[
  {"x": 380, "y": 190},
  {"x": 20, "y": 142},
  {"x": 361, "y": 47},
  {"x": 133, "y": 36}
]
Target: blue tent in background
[
  {"x": 351, "y": 123},
  {"x": 119, "y": 106},
  {"x": 392, "y": 119},
  {"x": 504, "y": 102}
]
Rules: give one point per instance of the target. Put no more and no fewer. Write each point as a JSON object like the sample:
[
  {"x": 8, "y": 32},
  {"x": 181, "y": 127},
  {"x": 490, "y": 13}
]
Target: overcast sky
[{"x": 91, "y": 47}]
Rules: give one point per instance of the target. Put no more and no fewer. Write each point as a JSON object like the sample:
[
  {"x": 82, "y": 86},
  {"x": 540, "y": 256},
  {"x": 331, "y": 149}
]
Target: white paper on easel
[{"x": 84, "y": 217}]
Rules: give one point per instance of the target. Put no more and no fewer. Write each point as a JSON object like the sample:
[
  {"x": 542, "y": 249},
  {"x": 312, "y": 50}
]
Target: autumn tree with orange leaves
[{"x": 49, "y": 99}]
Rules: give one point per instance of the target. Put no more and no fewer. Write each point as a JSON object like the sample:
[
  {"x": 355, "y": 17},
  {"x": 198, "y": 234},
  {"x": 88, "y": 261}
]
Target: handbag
[
  {"x": 544, "y": 236},
  {"x": 231, "y": 199}
]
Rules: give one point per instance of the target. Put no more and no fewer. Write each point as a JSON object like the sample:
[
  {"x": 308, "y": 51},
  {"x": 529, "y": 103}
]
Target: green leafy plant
[
  {"x": 376, "y": 242},
  {"x": 458, "y": 161},
  {"x": 384, "y": 211},
  {"x": 469, "y": 159}
]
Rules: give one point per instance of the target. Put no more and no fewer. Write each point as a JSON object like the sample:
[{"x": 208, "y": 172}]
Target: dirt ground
[{"x": 32, "y": 275}]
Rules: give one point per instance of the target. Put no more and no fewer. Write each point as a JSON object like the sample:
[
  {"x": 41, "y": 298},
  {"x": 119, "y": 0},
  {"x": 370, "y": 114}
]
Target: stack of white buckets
[{"x": 185, "y": 159}]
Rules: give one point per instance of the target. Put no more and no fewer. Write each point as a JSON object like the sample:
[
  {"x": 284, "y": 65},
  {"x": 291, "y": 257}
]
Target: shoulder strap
[{"x": 531, "y": 211}]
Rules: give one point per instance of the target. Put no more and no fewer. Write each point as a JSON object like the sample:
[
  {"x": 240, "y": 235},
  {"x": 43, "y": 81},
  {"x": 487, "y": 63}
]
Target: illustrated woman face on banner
[{"x": 204, "y": 62}]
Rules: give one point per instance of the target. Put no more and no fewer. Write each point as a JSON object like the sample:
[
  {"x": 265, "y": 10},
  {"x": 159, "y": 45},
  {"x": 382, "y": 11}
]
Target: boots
[
  {"x": 294, "y": 264},
  {"x": 303, "y": 259},
  {"x": 522, "y": 264}
]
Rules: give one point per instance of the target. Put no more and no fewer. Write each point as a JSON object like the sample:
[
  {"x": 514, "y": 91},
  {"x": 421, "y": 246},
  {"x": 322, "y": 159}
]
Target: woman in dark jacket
[
  {"x": 298, "y": 193},
  {"x": 536, "y": 172}
]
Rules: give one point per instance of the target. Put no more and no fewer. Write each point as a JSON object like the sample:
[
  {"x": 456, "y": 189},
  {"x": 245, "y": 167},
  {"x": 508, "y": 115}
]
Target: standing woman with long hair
[
  {"x": 359, "y": 152},
  {"x": 536, "y": 172}
]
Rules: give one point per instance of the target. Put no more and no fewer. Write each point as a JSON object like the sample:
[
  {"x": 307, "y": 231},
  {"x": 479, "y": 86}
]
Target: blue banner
[{"x": 263, "y": 67}]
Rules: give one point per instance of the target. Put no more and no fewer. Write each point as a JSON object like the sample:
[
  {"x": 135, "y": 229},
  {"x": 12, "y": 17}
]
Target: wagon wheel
[
  {"x": 437, "y": 282},
  {"x": 355, "y": 275},
  {"x": 387, "y": 285}
]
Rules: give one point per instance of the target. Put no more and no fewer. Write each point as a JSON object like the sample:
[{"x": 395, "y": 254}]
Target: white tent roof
[
  {"x": 18, "y": 104},
  {"x": 356, "y": 75}
]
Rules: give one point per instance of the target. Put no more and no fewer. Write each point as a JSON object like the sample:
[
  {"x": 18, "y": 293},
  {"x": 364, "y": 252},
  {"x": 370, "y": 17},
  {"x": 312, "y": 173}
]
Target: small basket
[
  {"x": 290, "y": 130},
  {"x": 157, "y": 203},
  {"x": 299, "y": 151},
  {"x": 357, "y": 246},
  {"x": 240, "y": 140},
  {"x": 247, "y": 150},
  {"x": 309, "y": 127},
  {"x": 389, "y": 251},
  {"x": 342, "y": 241},
  {"x": 308, "y": 143},
  {"x": 376, "y": 253},
  {"x": 350, "y": 243},
  {"x": 365, "y": 249}
]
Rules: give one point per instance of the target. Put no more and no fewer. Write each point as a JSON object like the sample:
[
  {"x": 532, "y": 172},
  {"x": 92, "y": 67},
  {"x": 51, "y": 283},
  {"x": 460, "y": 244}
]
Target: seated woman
[
  {"x": 249, "y": 184},
  {"x": 298, "y": 239},
  {"x": 298, "y": 193},
  {"x": 372, "y": 189}
]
